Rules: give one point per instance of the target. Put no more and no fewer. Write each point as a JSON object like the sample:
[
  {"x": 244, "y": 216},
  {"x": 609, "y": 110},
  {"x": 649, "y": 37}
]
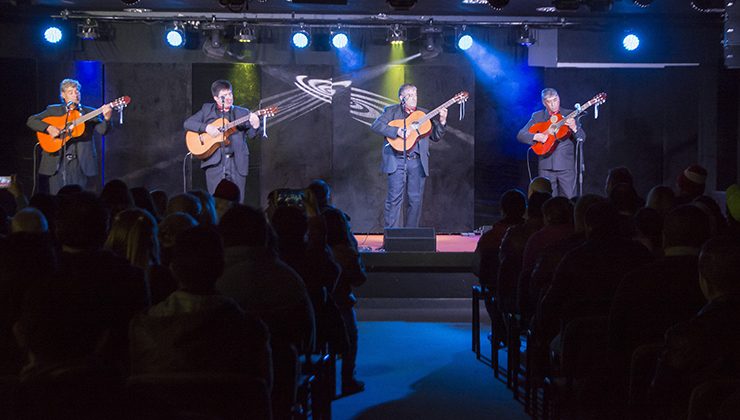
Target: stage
[{"x": 417, "y": 286}]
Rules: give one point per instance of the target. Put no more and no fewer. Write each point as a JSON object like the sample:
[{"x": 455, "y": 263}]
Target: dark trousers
[
  {"x": 563, "y": 181},
  {"x": 349, "y": 358},
  {"x": 226, "y": 169},
  {"x": 414, "y": 197},
  {"x": 69, "y": 173}
]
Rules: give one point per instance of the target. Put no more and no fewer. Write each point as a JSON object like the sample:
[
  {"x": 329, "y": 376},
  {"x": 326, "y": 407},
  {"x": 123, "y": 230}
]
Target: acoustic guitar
[
  {"x": 418, "y": 123},
  {"x": 203, "y": 145},
  {"x": 72, "y": 125},
  {"x": 556, "y": 129}
]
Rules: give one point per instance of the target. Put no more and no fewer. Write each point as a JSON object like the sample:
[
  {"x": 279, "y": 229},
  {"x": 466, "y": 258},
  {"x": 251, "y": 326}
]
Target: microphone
[
  {"x": 70, "y": 105},
  {"x": 403, "y": 100}
]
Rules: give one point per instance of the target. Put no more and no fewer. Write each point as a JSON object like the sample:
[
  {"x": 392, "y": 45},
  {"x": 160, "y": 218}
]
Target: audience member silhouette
[
  {"x": 662, "y": 199},
  {"x": 343, "y": 246},
  {"x": 586, "y": 279},
  {"x": 208, "y": 207},
  {"x": 197, "y": 329},
  {"x": 29, "y": 220},
  {"x": 691, "y": 183},
  {"x": 660, "y": 294},
  {"x": 81, "y": 230},
  {"x": 264, "y": 286},
  {"x": 169, "y": 228},
  {"x": 116, "y": 197},
  {"x": 160, "y": 200},
  {"x": 186, "y": 203},
  {"x": 143, "y": 200},
  {"x": 707, "y": 346},
  {"x": 134, "y": 236},
  {"x": 225, "y": 196}
]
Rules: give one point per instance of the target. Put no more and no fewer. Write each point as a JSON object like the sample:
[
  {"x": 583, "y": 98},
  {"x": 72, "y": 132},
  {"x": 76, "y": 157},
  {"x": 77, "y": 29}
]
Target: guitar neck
[
  {"x": 576, "y": 112},
  {"x": 243, "y": 119},
  {"x": 90, "y": 115},
  {"x": 431, "y": 114}
]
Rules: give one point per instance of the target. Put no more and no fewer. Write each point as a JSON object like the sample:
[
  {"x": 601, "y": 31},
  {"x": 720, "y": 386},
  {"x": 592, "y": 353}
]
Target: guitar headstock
[
  {"x": 461, "y": 97},
  {"x": 270, "y": 111},
  {"x": 120, "y": 103},
  {"x": 598, "y": 99}
]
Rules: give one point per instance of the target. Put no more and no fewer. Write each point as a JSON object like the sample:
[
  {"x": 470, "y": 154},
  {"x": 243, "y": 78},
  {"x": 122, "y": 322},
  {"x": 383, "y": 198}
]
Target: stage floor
[{"x": 445, "y": 243}]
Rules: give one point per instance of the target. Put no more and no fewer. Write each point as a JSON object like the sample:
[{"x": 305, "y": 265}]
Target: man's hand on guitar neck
[{"x": 571, "y": 123}]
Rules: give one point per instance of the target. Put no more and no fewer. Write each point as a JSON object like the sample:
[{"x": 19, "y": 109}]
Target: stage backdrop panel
[
  {"x": 299, "y": 143},
  {"x": 148, "y": 149}
]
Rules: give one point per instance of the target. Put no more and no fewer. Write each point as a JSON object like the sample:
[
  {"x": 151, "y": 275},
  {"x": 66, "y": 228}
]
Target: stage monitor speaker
[{"x": 421, "y": 239}]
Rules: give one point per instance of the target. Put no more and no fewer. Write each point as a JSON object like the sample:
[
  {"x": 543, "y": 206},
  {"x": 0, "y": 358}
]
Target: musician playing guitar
[
  {"x": 558, "y": 164},
  {"x": 231, "y": 160},
  {"x": 417, "y": 157},
  {"x": 76, "y": 162}
]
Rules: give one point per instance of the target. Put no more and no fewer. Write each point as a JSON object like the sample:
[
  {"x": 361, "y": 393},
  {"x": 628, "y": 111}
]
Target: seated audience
[
  {"x": 662, "y": 199},
  {"x": 29, "y": 220},
  {"x": 169, "y": 228},
  {"x": 691, "y": 183},
  {"x": 186, "y": 203},
  {"x": 707, "y": 346},
  {"x": 197, "y": 329},
  {"x": 116, "y": 197}
]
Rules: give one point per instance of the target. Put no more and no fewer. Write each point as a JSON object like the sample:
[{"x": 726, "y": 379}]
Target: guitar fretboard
[{"x": 436, "y": 110}]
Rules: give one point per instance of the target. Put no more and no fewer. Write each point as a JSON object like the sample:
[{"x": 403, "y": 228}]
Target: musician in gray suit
[
  {"x": 230, "y": 161},
  {"x": 76, "y": 162},
  {"x": 417, "y": 159},
  {"x": 558, "y": 165}
]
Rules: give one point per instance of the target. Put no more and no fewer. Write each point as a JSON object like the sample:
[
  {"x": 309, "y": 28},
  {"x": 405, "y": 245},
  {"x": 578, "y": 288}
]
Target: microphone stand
[
  {"x": 63, "y": 157},
  {"x": 405, "y": 166},
  {"x": 580, "y": 164},
  {"x": 223, "y": 136}
]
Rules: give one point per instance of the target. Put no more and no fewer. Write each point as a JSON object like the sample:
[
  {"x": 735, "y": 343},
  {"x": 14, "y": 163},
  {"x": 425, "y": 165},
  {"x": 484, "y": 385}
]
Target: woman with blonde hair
[{"x": 133, "y": 235}]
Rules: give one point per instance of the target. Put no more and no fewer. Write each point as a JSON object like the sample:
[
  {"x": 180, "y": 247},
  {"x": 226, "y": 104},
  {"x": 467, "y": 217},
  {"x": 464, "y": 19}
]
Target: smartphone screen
[{"x": 5, "y": 181}]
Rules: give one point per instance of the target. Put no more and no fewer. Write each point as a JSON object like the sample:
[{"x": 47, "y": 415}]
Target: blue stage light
[
  {"x": 300, "y": 39},
  {"x": 464, "y": 41},
  {"x": 339, "y": 39},
  {"x": 175, "y": 37},
  {"x": 53, "y": 35},
  {"x": 631, "y": 42}
]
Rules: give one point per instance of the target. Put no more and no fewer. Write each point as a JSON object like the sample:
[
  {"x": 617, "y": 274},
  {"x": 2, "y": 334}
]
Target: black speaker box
[{"x": 421, "y": 239}]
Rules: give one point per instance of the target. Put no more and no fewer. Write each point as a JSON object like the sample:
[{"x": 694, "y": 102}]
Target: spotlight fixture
[
  {"x": 88, "y": 30},
  {"x": 708, "y": 6},
  {"x": 339, "y": 38},
  {"x": 53, "y": 35},
  {"x": 464, "y": 40},
  {"x": 566, "y": 4},
  {"x": 431, "y": 46},
  {"x": 642, "y": 3},
  {"x": 630, "y": 42},
  {"x": 234, "y": 6},
  {"x": 526, "y": 38},
  {"x": 175, "y": 36},
  {"x": 396, "y": 34},
  {"x": 498, "y": 4},
  {"x": 129, "y": 2},
  {"x": 300, "y": 38},
  {"x": 401, "y": 4},
  {"x": 245, "y": 33}
]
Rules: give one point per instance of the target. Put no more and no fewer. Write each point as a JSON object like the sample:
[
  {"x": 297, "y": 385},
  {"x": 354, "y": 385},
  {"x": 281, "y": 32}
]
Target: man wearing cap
[{"x": 691, "y": 183}]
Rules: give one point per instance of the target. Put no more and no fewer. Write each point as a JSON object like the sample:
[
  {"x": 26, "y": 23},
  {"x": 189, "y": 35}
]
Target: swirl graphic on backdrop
[
  {"x": 366, "y": 106},
  {"x": 310, "y": 94}
]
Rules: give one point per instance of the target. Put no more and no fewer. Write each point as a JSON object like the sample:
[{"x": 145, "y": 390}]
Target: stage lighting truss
[
  {"x": 463, "y": 38},
  {"x": 396, "y": 34},
  {"x": 566, "y": 4},
  {"x": 235, "y": 6},
  {"x": 300, "y": 37},
  {"x": 642, "y": 3},
  {"x": 598, "y": 5},
  {"x": 88, "y": 30},
  {"x": 401, "y": 4},
  {"x": 175, "y": 34},
  {"x": 339, "y": 37},
  {"x": 245, "y": 33},
  {"x": 526, "y": 36},
  {"x": 129, "y": 2},
  {"x": 498, "y": 4}
]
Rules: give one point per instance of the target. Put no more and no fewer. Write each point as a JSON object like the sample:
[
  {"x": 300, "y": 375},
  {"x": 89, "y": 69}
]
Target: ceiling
[{"x": 378, "y": 9}]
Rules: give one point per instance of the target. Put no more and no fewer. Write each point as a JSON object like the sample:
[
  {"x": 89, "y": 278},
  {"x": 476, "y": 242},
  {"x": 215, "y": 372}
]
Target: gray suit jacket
[
  {"x": 380, "y": 126},
  {"x": 209, "y": 113},
  {"x": 83, "y": 146},
  {"x": 563, "y": 154}
]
